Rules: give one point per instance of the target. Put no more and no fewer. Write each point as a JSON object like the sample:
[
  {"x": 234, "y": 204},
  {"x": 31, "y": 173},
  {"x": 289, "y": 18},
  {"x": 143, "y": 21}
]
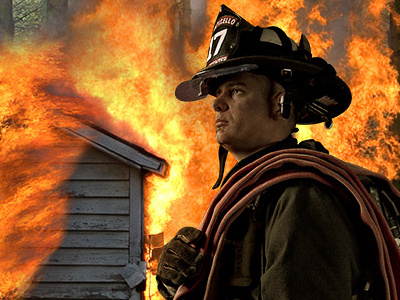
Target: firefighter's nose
[{"x": 219, "y": 104}]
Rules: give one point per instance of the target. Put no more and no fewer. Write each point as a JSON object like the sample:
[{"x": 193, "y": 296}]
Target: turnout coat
[{"x": 297, "y": 224}]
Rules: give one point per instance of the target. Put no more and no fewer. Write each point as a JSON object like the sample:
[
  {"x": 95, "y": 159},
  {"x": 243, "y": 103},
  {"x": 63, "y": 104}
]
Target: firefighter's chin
[
  {"x": 221, "y": 136},
  {"x": 224, "y": 139}
]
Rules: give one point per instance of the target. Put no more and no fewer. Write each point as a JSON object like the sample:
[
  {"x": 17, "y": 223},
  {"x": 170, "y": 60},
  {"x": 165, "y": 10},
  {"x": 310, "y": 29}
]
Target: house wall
[{"x": 98, "y": 243}]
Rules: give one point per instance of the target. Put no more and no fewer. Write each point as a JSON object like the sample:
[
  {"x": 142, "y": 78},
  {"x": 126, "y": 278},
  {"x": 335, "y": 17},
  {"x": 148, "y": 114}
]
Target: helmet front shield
[{"x": 198, "y": 87}]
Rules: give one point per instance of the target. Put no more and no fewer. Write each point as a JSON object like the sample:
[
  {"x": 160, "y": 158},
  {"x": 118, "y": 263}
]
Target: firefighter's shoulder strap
[{"x": 387, "y": 204}]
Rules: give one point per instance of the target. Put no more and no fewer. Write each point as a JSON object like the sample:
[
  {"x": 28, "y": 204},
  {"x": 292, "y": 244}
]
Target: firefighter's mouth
[{"x": 220, "y": 123}]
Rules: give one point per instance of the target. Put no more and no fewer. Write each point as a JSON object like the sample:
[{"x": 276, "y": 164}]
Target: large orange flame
[
  {"x": 38, "y": 100},
  {"x": 127, "y": 63},
  {"x": 31, "y": 116},
  {"x": 365, "y": 134},
  {"x": 126, "y": 55}
]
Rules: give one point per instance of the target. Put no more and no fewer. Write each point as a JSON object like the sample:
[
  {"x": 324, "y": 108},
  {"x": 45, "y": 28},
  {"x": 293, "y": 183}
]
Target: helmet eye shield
[{"x": 200, "y": 85}]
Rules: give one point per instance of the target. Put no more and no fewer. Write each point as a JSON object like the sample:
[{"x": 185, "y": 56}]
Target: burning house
[{"x": 101, "y": 256}]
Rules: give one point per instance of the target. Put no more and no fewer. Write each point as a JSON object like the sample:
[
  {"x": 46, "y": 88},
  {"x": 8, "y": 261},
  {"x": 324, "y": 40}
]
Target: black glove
[{"x": 180, "y": 260}]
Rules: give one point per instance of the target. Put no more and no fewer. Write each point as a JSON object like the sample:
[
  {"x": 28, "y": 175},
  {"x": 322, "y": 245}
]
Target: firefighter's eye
[{"x": 235, "y": 91}]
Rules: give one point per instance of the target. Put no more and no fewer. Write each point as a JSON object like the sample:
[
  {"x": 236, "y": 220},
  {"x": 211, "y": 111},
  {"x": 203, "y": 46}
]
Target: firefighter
[{"x": 289, "y": 221}]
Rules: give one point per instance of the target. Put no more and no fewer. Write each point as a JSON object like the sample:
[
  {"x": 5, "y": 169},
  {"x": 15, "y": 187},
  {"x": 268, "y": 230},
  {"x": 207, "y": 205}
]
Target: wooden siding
[
  {"x": 95, "y": 257},
  {"x": 98, "y": 236},
  {"x": 116, "y": 240},
  {"x": 101, "y": 171},
  {"x": 80, "y": 274},
  {"x": 80, "y": 291},
  {"x": 98, "y": 188},
  {"x": 99, "y": 206}
]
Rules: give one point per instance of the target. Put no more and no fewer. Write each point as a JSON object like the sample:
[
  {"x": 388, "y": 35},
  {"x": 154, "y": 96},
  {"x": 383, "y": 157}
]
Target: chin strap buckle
[
  {"x": 328, "y": 122},
  {"x": 286, "y": 74}
]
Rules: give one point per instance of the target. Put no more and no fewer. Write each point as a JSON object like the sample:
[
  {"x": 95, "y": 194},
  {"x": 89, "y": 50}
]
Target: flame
[
  {"x": 315, "y": 15},
  {"x": 366, "y": 132},
  {"x": 37, "y": 100},
  {"x": 31, "y": 203},
  {"x": 134, "y": 76},
  {"x": 368, "y": 141},
  {"x": 127, "y": 56}
]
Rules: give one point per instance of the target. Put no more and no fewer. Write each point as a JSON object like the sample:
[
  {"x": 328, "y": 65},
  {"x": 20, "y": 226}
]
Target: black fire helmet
[{"x": 310, "y": 83}]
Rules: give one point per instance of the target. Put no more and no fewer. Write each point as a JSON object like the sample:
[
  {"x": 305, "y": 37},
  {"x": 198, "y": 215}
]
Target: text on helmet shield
[
  {"x": 227, "y": 20},
  {"x": 218, "y": 60}
]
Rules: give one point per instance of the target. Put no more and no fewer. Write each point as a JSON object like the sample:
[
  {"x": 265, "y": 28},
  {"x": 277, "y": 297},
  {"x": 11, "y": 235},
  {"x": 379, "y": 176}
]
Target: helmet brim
[{"x": 323, "y": 99}]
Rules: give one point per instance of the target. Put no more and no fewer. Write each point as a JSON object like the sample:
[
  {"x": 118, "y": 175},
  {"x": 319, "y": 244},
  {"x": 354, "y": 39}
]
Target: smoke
[
  {"x": 333, "y": 24},
  {"x": 61, "y": 13},
  {"x": 200, "y": 22},
  {"x": 189, "y": 24}
]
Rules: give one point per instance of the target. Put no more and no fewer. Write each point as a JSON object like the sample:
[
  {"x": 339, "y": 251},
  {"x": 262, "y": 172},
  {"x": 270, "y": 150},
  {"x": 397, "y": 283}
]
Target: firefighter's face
[{"x": 245, "y": 116}]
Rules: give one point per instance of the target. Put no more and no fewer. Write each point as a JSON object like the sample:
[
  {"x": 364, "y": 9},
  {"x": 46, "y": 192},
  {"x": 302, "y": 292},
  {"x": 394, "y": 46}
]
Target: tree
[
  {"x": 6, "y": 21},
  {"x": 29, "y": 17}
]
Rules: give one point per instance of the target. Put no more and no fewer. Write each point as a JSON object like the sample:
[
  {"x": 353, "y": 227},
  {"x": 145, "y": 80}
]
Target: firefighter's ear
[{"x": 280, "y": 107}]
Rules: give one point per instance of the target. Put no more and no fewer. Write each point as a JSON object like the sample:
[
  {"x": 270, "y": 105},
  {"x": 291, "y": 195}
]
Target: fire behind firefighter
[{"x": 290, "y": 221}]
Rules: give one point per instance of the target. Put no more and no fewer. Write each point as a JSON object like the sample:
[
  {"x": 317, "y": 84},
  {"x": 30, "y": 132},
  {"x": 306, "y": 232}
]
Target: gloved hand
[{"x": 179, "y": 261}]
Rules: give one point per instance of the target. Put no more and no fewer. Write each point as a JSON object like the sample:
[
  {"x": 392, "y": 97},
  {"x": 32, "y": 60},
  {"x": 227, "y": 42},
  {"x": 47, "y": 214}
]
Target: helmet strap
[
  {"x": 285, "y": 107},
  {"x": 222, "y": 155}
]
